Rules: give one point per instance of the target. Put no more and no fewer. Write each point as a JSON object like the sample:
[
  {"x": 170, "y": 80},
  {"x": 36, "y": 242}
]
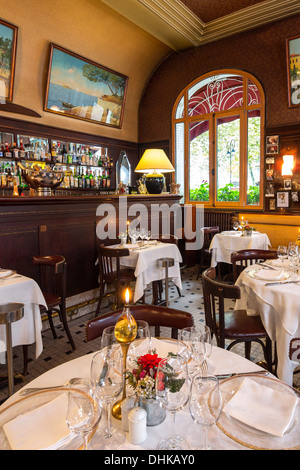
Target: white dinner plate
[
  {"x": 251, "y": 437},
  {"x": 255, "y": 275}
]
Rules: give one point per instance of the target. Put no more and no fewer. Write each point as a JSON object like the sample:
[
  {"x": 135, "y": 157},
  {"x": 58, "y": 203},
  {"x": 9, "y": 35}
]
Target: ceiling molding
[{"x": 175, "y": 25}]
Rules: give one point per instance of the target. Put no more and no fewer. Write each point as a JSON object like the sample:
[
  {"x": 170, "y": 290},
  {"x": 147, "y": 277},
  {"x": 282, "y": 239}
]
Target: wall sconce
[{"x": 288, "y": 165}]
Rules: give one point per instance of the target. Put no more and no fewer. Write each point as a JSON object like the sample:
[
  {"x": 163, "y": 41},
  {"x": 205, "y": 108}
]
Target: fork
[{"x": 204, "y": 367}]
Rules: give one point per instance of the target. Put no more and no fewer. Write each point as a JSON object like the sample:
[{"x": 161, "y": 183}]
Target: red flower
[{"x": 149, "y": 361}]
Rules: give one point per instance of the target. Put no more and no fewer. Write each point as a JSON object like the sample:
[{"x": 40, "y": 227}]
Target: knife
[
  {"x": 241, "y": 374},
  {"x": 267, "y": 266},
  {"x": 277, "y": 283}
]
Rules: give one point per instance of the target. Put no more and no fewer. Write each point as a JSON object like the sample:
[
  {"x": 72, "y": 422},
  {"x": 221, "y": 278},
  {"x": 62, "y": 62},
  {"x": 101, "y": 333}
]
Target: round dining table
[{"x": 220, "y": 362}]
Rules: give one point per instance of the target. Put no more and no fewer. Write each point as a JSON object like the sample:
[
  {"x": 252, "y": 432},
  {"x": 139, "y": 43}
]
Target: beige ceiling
[{"x": 184, "y": 24}]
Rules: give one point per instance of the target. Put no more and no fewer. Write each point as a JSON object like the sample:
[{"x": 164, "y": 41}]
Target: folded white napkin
[
  {"x": 5, "y": 272},
  {"x": 42, "y": 428},
  {"x": 269, "y": 274},
  {"x": 280, "y": 263},
  {"x": 262, "y": 407}
]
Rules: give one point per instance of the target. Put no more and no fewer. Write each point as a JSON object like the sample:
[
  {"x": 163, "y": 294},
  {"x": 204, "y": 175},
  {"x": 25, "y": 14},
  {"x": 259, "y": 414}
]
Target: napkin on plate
[
  {"x": 262, "y": 407},
  {"x": 163, "y": 347},
  {"x": 269, "y": 274},
  {"x": 43, "y": 428}
]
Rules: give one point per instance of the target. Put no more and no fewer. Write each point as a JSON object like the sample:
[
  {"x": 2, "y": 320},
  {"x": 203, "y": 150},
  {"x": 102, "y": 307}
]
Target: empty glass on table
[
  {"x": 190, "y": 346},
  {"x": 107, "y": 371},
  {"x": 293, "y": 256}
]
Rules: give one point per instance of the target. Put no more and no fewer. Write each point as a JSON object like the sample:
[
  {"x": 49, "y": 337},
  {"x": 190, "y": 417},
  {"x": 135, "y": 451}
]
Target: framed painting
[
  {"x": 82, "y": 89},
  {"x": 8, "y": 48},
  {"x": 293, "y": 70},
  {"x": 272, "y": 144}
]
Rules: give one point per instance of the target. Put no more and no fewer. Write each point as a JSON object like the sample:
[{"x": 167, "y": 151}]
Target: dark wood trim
[{"x": 18, "y": 109}]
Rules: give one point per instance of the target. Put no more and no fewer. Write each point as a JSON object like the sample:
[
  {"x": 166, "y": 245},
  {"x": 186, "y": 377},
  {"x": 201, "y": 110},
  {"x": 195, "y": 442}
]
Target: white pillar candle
[{"x": 137, "y": 420}]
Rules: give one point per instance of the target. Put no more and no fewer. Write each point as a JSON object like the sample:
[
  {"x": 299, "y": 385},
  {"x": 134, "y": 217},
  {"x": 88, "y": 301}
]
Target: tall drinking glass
[
  {"x": 173, "y": 390},
  {"x": 84, "y": 408},
  {"x": 191, "y": 347},
  {"x": 141, "y": 345},
  {"x": 107, "y": 371},
  {"x": 293, "y": 254},
  {"x": 205, "y": 403}
]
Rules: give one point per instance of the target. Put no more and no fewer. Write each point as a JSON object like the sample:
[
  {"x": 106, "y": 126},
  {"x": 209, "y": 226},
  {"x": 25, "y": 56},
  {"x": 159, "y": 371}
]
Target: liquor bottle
[
  {"x": 100, "y": 161},
  {"x": 83, "y": 159},
  {"x": 111, "y": 163},
  {"x": 107, "y": 179},
  {"x": 59, "y": 157},
  {"x": 53, "y": 153},
  {"x": 80, "y": 182},
  {"x": 1, "y": 151},
  {"x": 64, "y": 154},
  {"x": 87, "y": 180},
  {"x": 22, "y": 150},
  {"x": 75, "y": 179},
  {"x": 104, "y": 180},
  {"x": 7, "y": 152},
  {"x": 15, "y": 151}
]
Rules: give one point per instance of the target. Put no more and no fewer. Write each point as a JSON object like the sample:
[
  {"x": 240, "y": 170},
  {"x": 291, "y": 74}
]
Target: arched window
[{"x": 218, "y": 140}]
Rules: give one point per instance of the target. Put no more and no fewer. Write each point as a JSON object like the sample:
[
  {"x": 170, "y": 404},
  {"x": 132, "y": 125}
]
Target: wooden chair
[
  {"x": 208, "y": 234},
  {"x": 234, "y": 325},
  {"x": 154, "y": 315},
  {"x": 243, "y": 258},
  {"x": 53, "y": 270},
  {"x": 110, "y": 272}
]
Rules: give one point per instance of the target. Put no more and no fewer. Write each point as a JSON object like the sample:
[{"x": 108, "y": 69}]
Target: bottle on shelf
[
  {"x": 7, "y": 152},
  {"x": 53, "y": 153},
  {"x": 22, "y": 150},
  {"x": 59, "y": 157},
  {"x": 15, "y": 151}
]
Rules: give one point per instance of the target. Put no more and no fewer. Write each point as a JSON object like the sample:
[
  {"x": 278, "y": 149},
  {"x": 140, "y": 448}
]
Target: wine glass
[
  {"x": 142, "y": 343},
  {"x": 282, "y": 252},
  {"x": 235, "y": 226},
  {"x": 148, "y": 235},
  {"x": 293, "y": 253},
  {"x": 107, "y": 371},
  {"x": 205, "y": 402},
  {"x": 206, "y": 340},
  {"x": 172, "y": 386},
  {"x": 84, "y": 408},
  {"x": 190, "y": 346},
  {"x": 143, "y": 234}
]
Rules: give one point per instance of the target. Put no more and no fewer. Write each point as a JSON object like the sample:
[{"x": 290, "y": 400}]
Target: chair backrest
[
  {"x": 243, "y": 258},
  {"x": 154, "y": 315},
  {"x": 53, "y": 271},
  {"x": 214, "y": 294},
  {"x": 208, "y": 234},
  {"x": 109, "y": 261}
]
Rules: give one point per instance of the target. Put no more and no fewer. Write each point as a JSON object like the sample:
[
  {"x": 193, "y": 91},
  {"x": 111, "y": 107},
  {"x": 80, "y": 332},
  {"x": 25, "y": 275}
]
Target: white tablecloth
[
  {"x": 28, "y": 329},
  {"x": 226, "y": 242},
  {"x": 279, "y": 308},
  {"x": 149, "y": 269},
  {"x": 221, "y": 361}
]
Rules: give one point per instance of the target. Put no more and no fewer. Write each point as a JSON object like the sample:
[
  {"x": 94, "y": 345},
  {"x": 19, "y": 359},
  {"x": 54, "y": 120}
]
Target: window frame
[{"x": 212, "y": 118}]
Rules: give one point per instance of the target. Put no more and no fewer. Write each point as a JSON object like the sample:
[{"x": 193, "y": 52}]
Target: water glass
[
  {"x": 191, "y": 347},
  {"x": 282, "y": 252},
  {"x": 205, "y": 403}
]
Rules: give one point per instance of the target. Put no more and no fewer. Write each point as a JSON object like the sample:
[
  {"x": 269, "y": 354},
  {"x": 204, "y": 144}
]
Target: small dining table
[
  {"x": 278, "y": 306},
  {"x": 28, "y": 330},
  {"x": 225, "y": 243},
  {"x": 221, "y": 361},
  {"x": 145, "y": 259}
]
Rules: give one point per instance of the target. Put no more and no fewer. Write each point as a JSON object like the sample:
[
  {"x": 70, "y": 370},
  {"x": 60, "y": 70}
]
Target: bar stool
[
  {"x": 10, "y": 313},
  {"x": 167, "y": 263}
]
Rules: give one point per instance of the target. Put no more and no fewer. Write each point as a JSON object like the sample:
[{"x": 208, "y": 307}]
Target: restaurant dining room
[{"x": 150, "y": 227}]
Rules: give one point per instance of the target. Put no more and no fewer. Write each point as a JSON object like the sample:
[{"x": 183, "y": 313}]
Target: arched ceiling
[{"x": 185, "y": 24}]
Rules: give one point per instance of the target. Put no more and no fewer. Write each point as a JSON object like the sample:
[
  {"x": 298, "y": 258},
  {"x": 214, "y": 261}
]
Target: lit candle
[{"x": 127, "y": 296}]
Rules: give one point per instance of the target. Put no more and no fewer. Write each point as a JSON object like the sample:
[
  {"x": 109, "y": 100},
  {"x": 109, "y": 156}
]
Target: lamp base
[{"x": 154, "y": 183}]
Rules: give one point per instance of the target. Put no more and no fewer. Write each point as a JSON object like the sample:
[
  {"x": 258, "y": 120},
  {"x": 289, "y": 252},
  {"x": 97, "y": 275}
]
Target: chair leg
[
  {"x": 99, "y": 301},
  {"x": 247, "y": 349},
  {"x": 268, "y": 354},
  {"x": 64, "y": 320},
  {"x": 49, "y": 313},
  {"x": 178, "y": 291},
  {"x": 25, "y": 359}
]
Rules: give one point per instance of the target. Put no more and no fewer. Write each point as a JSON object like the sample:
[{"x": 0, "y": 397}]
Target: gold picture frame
[
  {"x": 8, "y": 51},
  {"x": 82, "y": 89}
]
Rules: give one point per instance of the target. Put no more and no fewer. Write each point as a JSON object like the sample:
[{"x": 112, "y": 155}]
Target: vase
[
  {"x": 155, "y": 412},
  {"x": 248, "y": 233}
]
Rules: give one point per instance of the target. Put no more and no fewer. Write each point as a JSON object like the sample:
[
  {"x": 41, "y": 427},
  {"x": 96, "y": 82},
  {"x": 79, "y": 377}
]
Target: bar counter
[{"x": 64, "y": 225}]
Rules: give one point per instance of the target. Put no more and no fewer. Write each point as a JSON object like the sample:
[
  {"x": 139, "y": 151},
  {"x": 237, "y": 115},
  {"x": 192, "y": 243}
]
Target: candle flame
[{"x": 127, "y": 296}]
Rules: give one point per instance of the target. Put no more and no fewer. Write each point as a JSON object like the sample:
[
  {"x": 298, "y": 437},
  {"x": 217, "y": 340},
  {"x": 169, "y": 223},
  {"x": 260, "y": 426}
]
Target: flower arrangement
[{"x": 142, "y": 378}]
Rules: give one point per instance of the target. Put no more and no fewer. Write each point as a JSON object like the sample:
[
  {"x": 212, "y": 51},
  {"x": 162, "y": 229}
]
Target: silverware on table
[
  {"x": 277, "y": 283},
  {"x": 267, "y": 266},
  {"x": 28, "y": 391},
  {"x": 241, "y": 374}
]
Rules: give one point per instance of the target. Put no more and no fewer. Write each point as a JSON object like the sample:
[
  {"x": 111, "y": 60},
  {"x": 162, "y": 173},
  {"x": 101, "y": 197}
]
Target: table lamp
[{"x": 154, "y": 163}]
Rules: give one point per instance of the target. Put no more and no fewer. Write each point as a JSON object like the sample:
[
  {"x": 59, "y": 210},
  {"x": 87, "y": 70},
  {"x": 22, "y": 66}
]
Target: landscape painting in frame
[
  {"x": 293, "y": 68},
  {"x": 8, "y": 45},
  {"x": 82, "y": 89}
]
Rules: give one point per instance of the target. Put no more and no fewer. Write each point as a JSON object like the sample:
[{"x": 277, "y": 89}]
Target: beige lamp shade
[{"x": 154, "y": 160}]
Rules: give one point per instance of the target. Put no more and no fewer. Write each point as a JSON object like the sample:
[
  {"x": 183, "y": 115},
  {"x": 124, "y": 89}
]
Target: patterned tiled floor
[{"x": 59, "y": 351}]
